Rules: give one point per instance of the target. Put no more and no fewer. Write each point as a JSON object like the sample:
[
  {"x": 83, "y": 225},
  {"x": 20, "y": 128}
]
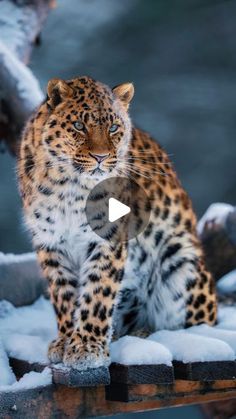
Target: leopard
[{"x": 100, "y": 289}]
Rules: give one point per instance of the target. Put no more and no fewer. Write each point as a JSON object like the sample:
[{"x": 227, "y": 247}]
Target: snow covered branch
[
  {"x": 217, "y": 231},
  {"x": 20, "y": 25}
]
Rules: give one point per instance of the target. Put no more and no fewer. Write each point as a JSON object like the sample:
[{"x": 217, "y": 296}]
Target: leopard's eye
[
  {"x": 79, "y": 126},
  {"x": 113, "y": 128}
]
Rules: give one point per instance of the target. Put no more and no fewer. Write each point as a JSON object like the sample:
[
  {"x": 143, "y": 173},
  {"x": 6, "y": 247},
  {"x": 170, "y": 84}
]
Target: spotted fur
[{"x": 79, "y": 136}]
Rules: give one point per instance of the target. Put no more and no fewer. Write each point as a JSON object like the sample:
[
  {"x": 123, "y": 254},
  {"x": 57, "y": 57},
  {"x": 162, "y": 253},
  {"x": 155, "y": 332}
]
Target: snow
[
  {"x": 227, "y": 318},
  {"x": 6, "y": 308},
  {"x": 13, "y": 20},
  {"x": 227, "y": 336},
  {"x": 35, "y": 320},
  {"x": 227, "y": 284},
  {"x": 30, "y": 380},
  {"x": 26, "y": 331},
  {"x": 9, "y": 258},
  {"x": 188, "y": 347},
  {"x": 216, "y": 213},
  {"x": 22, "y": 82},
  {"x": 27, "y": 348},
  {"x": 131, "y": 350},
  {"x": 6, "y": 375}
]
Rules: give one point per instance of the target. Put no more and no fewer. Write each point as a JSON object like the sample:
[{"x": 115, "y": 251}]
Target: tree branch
[{"x": 20, "y": 25}]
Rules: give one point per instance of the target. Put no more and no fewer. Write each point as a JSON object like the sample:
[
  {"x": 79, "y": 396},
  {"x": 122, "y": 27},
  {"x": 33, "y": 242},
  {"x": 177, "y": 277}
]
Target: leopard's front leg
[
  {"x": 101, "y": 278},
  {"x": 63, "y": 294}
]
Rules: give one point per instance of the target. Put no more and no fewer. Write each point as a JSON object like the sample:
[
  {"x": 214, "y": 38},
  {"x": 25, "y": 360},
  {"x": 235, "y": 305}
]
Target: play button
[{"x": 118, "y": 209}]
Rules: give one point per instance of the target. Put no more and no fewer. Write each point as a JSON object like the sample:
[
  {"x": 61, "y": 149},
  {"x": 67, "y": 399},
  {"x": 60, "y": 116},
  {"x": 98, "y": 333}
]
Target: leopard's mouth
[{"x": 97, "y": 171}]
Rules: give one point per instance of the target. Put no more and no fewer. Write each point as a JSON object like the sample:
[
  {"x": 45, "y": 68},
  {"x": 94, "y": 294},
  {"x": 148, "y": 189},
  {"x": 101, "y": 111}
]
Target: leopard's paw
[
  {"x": 56, "y": 350},
  {"x": 82, "y": 356}
]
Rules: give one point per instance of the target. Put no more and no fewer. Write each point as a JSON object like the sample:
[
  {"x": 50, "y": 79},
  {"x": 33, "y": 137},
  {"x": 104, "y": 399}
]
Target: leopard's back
[{"x": 160, "y": 273}]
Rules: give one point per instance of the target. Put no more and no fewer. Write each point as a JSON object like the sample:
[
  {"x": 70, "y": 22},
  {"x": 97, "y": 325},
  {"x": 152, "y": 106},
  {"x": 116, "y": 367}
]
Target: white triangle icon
[{"x": 116, "y": 209}]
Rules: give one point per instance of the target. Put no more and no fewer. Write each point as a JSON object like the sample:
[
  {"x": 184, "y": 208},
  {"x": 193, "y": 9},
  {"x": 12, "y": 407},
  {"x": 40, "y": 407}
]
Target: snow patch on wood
[{"x": 30, "y": 380}]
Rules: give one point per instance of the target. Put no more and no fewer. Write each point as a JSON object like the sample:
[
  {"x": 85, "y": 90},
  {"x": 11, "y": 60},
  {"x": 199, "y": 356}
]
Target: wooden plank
[
  {"x": 137, "y": 397},
  {"x": 64, "y": 375},
  {"x": 74, "y": 378},
  {"x": 123, "y": 375},
  {"x": 58, "y": 401},
  {"x": 126, "y": 374},
  {"x": 167, "y": 393},
  {"x": 141, "y": 374},
  {"x": 21, "y": 367},
  {"x": 205, "y": 371}
]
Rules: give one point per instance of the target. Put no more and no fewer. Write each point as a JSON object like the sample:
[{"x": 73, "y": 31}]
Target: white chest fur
[{"x": 59, "y": 220}]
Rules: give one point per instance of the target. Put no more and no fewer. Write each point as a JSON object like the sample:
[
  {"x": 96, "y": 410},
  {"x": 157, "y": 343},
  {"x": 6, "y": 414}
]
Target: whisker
[
  {"x": 139, "y": 171},
  {"x": 151, "y": 153},
  {"x": 149, "y": 161}
]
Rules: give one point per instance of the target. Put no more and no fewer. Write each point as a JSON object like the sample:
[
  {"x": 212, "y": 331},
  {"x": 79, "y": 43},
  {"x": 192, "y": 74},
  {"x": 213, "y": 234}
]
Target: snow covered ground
[{"x": 25, "y": 333}]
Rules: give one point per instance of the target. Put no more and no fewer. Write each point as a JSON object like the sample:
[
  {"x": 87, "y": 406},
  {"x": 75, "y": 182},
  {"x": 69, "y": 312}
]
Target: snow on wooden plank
[
  {"x": 64, "y": 375},
  {"x": 133, "y": 374},
  {"x": 117, "y": 373},
  {"x": 29, "y": 381},
  {"x": 133, "y": 350}
]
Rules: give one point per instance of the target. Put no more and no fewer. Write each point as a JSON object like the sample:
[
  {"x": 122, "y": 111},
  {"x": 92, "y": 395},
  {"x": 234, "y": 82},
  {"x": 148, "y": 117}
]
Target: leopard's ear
[
  {"x": 125, "y": 93},
  {"x": 57, "y": 91}
]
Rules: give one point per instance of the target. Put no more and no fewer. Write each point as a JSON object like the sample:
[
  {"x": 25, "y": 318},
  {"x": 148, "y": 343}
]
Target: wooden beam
[
  {"x": 74, "y": 378},
  {"x": 141, "y": 374},
  {"x": 64, "y": 375},
  {"x": 64, "y": 402},
  {"x": 124, "y": 393},
  {"x": 205, "y": 371},
  {"x": 116, "y": 374}
]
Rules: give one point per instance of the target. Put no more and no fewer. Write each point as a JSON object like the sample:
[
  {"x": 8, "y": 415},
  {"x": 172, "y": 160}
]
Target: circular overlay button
[{"x": 118, "y": 209}]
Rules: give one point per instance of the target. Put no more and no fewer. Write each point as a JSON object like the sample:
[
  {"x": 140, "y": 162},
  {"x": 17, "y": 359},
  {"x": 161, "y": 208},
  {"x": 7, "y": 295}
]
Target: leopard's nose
[{"x": 99, "y": 157}]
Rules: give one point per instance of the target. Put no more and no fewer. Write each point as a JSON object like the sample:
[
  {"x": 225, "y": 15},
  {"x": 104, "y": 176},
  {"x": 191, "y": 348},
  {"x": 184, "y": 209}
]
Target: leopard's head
[{"x": 88, "y": 128}]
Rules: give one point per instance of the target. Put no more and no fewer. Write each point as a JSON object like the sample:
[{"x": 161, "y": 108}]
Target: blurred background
[{"x": 181, "y": 56}]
